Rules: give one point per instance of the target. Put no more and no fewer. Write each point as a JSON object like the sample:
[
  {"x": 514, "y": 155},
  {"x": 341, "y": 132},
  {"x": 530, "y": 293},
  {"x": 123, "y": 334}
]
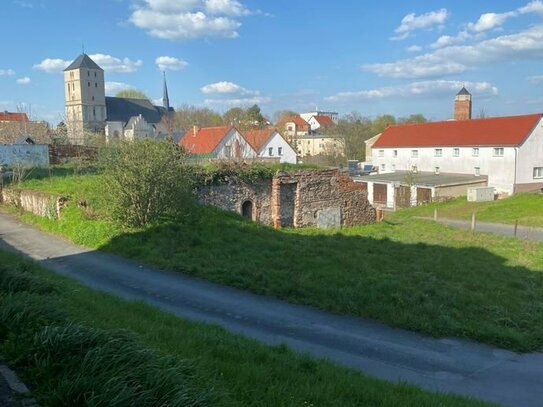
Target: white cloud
[
  {"x": 414, "y": 48},
  {"x": 189, "y": 19},
  {"x": 225, "y": 87},
  {"x": 524, "y": 45},
  {"x": 490, "y": 21},
  {"x": 448, "y": 40},
  {"x": 423, "y": 88},
  {"x": 114, "y": 87},
  {"x": 241, "y": 102},
  {"x": 412, "y": 22},
  {"x": 536, "y": 79},
  {"x": 113, "y": 64},
  {"x": 24, "y": 81},
  {"x": 52, "y": 65},
  {"x": 166, "y": 63},
  {"x": 7, "y": 72}
]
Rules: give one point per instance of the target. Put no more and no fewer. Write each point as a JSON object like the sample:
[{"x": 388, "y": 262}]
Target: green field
[
  {"x": 76, "y": 346},
  {"x": 526, "y": 209},
  {"x": 405, "y": 272}
]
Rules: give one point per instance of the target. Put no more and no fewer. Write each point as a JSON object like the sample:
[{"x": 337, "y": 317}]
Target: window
[
  {"x": 436, "y": 170},
  {"x": 95, "y": 74},
  {"x": 414, "y": 153},
  {"x": 279, "y": 150},
  {"x": 438, "y": 152},
  {"x": 95, "y": 84},
  {"x": 94, "y": 112},
  {"x": 498, "y": 152},
  {"x": 227, "y": 151},
  {"x": 393, "y": 167},
  {"x": 289, "y": 128},
  {"x": 93, "y": 98},
  {"x": 88, "y": 73},
  {"x": 299, "y": 142},
  {"x": 538, "y": 172},
  {"x": 475, "y": 151},
  {"x": 477, "y": 171},
  {"x": 381, "y": 153},
  {"x": 456, "y": 152},
  {"x": 270, "y": 151},
  {"x": 89, "y": 84},
  {"x": 395, "y": 153},
  {"x": 383, "y": 167}
]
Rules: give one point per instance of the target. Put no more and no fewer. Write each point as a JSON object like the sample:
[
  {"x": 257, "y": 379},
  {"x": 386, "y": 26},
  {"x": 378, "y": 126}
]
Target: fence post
[
  {"x": 516, "y": 227},
  {"x": 473, "y": 222},
  {"x": 435, "y": 214}
]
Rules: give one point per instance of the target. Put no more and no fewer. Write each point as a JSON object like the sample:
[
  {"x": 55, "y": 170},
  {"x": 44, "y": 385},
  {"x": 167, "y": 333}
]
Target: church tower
[
  {"x": 462, "y": 105},
  {"x": 85, "y": 94},
  {"x": 165, "y": 98}
]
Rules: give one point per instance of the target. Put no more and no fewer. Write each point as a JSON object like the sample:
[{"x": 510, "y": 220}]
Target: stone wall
[
  {"x": 325, "y": 199},
  {"x": 37, "y": 202},
  {"x": 62, "y": 154}
]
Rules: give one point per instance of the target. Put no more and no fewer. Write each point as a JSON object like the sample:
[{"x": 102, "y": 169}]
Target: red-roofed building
[
  {"x": 320, "y": 122},
  {"x": 13, "y": 117},
  {"x": 508, "y": 150},
  {"x": 293, "y": 126},
  {"x": 268, "y": 143},
  {"x": 224, "y": 142}
]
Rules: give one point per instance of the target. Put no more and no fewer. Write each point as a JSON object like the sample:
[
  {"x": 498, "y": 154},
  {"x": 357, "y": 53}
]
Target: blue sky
[{"x": 397, "y": 57}]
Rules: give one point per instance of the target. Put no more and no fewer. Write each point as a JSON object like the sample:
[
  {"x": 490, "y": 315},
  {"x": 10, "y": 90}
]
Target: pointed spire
[{"x": 165, "y": 98}]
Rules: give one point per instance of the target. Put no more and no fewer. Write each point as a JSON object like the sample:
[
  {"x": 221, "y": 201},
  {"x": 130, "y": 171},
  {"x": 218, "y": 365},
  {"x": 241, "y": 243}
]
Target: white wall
[
  {"x": 229, "y": 140},
  {"x": 36, "y": 155},
  {"x": 500, "y": 170},
  {"x": 530, "y": 155},
  {"x": 274, "y": 142}
]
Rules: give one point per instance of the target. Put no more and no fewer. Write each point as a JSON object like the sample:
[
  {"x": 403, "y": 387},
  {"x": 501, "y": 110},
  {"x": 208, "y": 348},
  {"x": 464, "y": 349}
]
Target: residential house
[
  {"x": 334, "y": 116},
  {"x": 224, "y": 142},
  {"x": 6, "y": 117},
  {"x": 319, "y": 144},
  {"x": 319, "y": 123},
  {"x": 369, "y": 146},
  {"x": 14, "y": 125},
  {"x": 293, "y": 126},
  {"x": 269, "y": 144}
]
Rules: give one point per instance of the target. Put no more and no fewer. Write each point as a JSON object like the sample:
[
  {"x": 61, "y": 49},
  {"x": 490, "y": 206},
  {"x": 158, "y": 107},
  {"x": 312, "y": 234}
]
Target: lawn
[
  {"x": 77, "y": 346},
  {"x": 410, "y": 273},
  {"x": 527, "y": 209}
]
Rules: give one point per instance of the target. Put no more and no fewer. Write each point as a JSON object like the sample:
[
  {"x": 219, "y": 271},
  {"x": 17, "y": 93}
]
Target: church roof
[
  {"x": 122, "y": 109},
  {"x": 83, "y": 61},
  {"x": 463, "y": 91}
]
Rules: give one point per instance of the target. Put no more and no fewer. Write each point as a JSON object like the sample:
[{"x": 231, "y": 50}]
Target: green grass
[
  {"x": 527, "y": 209},
  {"x": 77, "y": 346},
  {"x": 409, "y": 273}
]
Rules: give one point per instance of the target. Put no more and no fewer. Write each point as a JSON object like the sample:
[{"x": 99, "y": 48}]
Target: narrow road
[
  {"x": 523, "y": 232},
  {"x": 449, "y": 365}
]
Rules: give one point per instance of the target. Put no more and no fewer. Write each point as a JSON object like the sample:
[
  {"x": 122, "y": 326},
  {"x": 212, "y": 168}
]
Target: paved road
[
  {"x": 450, "y": 365},
  {"x": 523, "y": 232}
]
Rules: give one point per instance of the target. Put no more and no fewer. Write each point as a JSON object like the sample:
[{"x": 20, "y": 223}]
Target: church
[{"x": 88, "y": 109}]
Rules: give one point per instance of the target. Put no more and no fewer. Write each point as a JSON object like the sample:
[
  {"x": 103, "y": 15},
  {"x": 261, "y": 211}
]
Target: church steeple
[{"x": 165, "y": 98}]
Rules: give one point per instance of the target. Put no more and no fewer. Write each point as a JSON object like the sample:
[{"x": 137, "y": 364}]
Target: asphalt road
[{"x": 446, "y": 364}]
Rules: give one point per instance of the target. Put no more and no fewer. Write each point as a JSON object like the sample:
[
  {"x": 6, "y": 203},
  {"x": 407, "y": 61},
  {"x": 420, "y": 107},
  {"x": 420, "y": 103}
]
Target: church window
[
  {"x": 95, "y": 74},
  {"x": 95, "y": 84},
  {"x": 93, "y": 98},
  {"x": 68, "y": 87},
  {"x": 89, "y": 84},
  {"x": 88, "y": 73},
  {"x": 94, "y": 112},
  {"x": 73, "y": 87}
]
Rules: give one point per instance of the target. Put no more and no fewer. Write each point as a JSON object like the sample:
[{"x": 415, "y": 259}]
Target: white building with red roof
[
  {"x": 223, "y": 143},
  {"x": 269, "y": 144},
  {"x": 319, "y": 122}
]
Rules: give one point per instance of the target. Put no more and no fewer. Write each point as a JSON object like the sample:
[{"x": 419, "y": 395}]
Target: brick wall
[
  {"x": 327, "y": 198},
  {"x": 61, "y": 154}
]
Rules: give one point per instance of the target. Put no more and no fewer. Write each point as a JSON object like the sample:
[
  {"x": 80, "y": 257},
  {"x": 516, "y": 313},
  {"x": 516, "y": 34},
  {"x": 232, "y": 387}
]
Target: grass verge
[{"x": 77, "y": 346}]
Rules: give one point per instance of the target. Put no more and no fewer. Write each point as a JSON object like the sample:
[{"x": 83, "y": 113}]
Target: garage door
[{"x": 380, "y": 194}]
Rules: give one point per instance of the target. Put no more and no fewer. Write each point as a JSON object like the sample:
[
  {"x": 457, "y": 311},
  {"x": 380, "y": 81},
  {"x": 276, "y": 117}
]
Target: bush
[{"x": 145, "y": 180}]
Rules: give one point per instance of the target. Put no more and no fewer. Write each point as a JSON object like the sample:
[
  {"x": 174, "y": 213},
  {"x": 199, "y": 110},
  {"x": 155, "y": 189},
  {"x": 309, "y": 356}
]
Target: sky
[{"x": 386, "y": 57}]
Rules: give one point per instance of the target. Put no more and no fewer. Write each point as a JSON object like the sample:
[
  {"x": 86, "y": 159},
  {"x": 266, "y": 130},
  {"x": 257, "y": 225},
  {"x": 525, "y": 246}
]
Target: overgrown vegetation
[
  {"x": 406, "y": 272},
  {"x": 76, "y": 346}
]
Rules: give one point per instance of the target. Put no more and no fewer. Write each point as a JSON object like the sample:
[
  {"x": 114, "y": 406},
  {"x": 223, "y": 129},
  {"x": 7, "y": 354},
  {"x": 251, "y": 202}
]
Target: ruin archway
[{"x": 247, "y": 209}]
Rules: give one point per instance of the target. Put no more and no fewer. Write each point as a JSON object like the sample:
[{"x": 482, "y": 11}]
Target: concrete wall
[
  {"x": 27, "y": 155},
  {"x": 36, "y": 202},
  {"x": 300, "y": 199}
]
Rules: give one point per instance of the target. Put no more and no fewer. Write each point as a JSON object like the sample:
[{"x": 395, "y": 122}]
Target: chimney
[
  {"x": 462, "y": 105},
  {"x": 194, "y": 131}
]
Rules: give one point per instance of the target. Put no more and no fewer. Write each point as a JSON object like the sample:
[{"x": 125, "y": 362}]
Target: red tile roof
[
  {"x": 324, "y": 120},
  {"x": 300, "y": 123},
  {"x": 495, "y": 131},
  {"x": 257, "y": 138},
  {"x": 13, "y": 117},
  {"x": 205, "y": 140}
]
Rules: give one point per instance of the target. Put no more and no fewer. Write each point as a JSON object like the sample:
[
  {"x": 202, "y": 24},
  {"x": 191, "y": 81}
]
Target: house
[
  {"x": 319, "y": 144},
  {"x": 334, "y": 116},
  {"x": 6, "y": 117},
  {"x": 369, "y": 145},
  {"x": 269, "y": 144},
  {"x": 223, "y": 142},
  {"x": 319, "y": 122},
  {"x": 88, "y": 109},
  {"x": 293, "y": 126},
  {"x": 14, "y": 125}
]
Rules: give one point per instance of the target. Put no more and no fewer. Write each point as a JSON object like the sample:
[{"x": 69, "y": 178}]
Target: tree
[
  {"x": 144, "y": 181},
  {"x": 355, "y": 130},
  {"x": 380, "y": 123},
  {"x": 187, "y": 116},
  {"x": 414, "y": 118},
  {"x": 131, "y": 94},
  {"x": 234, "y": 116},
  {"x": 254, "y": 116}
]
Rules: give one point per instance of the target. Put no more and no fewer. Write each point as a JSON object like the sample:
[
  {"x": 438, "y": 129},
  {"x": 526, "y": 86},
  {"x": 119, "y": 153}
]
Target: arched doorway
[{"x": 247, "y": 209}]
